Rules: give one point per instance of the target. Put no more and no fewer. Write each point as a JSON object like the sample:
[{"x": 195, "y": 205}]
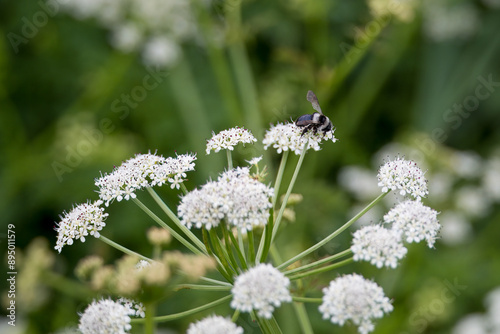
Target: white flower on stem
[
  {"x": 403, "y": 175},
  {"x": 237, "y": 197},
  {"x": 352, "y": 297},
  {"x": 378, "y": 245},
  {"x": 144, "y": 170},
  {"x": 254, "y": 161},
  {"x": 214, "y": 325},
  {"x": 137, "y": 307},
  {"x": 105, "y": 316},
  {"x": 260, "y": 289},
  {"x": 415, "y": 221},
  {"x": 288, "y": 137},
  {"x": 83, "y": 220},
  {"x": 228, "y": 139}
]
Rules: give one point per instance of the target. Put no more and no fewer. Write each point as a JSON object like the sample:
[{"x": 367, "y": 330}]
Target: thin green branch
[
  {"x": 202, "y": 287},
  {"x": 319, "y": 262},
  {"x": 123, "y": 249},
  {"x": 306, "y": 299},
  {"x": 322, "y": 269}
]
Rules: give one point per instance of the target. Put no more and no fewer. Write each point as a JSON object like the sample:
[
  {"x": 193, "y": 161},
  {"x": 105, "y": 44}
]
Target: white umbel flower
[
  {"x": 137, "y": 307},
  {"x": 144, "y": 170},
  {"x": 288, "y": 137},
  {"x": 105, "y": 317},
  {"x": 83, "y": 220},
  {"x": 415, "y": 221},
  {"x": 354, "y": 298},
  {"x": 237, "y": 197},
  {"x": 214, "y": 325},
  {"x": 378, "y": 245},
  {"x": 260, "y": 289},
  {"x": 228, "y": 139},
  {"x": 403, "y": 175}
]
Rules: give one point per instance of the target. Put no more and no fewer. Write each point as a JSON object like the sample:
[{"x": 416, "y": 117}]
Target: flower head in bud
[
  {"x": 83, "y": 220},
  {"x": 261, "y": 288},
  {"x": 105, "y": 316},
  {"x": 214, "y": 325},
  {"x": 288, "y": 137},
  {"x": 403, "y": 175},
  {"x": 352, "y": 297},
  {"x": 228, "y": 139},
  {"x": 158, "y": 236},
  {"x": 415, "y": 221},
  {"x": 378, "y": 245}
]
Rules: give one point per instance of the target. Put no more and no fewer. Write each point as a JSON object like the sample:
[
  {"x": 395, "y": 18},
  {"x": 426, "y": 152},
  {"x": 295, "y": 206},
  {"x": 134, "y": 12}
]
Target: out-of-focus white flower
[
  {"x": 144, "y": 170},
  {"x": 354, "y": 298},
  {"x": 473, "y": 201},
  {"x": 160, "y": 51},
  {"x": 214, "y": 325},
  {"x": 83, "y": 220},
  {"x": 443, "y": 22},
  {"x": 403, "y": 175},
  {"x": 404, "y": 10},
  {"x": 467, "y": 165},
  {"x": 440, "y": 186},
  {"x": 492, "y": 302},
  {"x": 260, "y": 289},
  {"x": 105, "y": 316},
  {"x": 360, "y": 182},
  {"x": 237, "y": 197},
  {"x": 415, "y": 221},
  {"x": 495, "y": 4},
  {"x": 228, "y": 139},
  {"x": 472, "y": 324},
  {"x": 491, "y": 178},
  {"x": 288, "y": 136},
  {"x": 378, "y": 245},
  {"x": 455, "y": 229},
  {"x": 126, "y": 37}
]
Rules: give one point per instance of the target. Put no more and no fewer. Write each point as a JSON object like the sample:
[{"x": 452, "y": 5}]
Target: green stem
[
  {"x": 229, "y": 160},
  {"x": 180, "y": 315},
  {"x": 322, "y": 269},
  {"x": 235, "y": 316},
  {"x": 214, "y": 281},
  {"x": 123, "y": 249},
  {"x": 306, "y": 299},
  {"x": 68, "y": 287},
  {"x": 160, "y": 222},
  {"x": 319, "y": 262},
  {"x": 332, "y": 235},
  {"x": 251, "y": 248},
  {"x": 149, "y": 323},
  {"x": 279, "y": 176},
  {"x": 229, "y": 249},
  {"x": 239, "y": 251},
  {"x": 176, "y": 220},
  {"x": 289, "y": 191},
  {"x": 221, "y": 253},
  {"x": 305, "y": 324},
  {"x": 202, "y": 287}
]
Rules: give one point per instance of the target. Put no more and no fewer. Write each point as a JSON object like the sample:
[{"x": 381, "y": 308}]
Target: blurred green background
[{"x": 381, "y": 78}]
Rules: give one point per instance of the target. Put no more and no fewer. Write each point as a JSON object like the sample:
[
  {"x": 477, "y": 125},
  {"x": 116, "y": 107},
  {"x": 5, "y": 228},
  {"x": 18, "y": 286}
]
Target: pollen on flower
[
  {"x": 144, "y": 170},
  {"x": 228, "y": 139},
  {"x": 378, "y": 245},
  {"x": 83, "y": 220},
  {"x": 403, "y": 175},
  {"x": 260, "y": 289},
  {"x": 106, "y": 316},
  {"x": 235, "y": 196},
  {"x": 352, "y": 297},
  {"x": 415, "y": 221},
  {"x": 213, "y": 325},
  {"x": 288, "y": 137}
]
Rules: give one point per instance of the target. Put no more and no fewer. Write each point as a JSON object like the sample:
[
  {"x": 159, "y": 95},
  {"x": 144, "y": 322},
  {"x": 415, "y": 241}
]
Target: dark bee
[{"x": 316, "y": 121}]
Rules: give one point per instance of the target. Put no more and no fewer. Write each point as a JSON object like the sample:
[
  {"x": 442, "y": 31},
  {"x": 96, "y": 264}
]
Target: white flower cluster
[
  {"x": 83, "y": 220},
  {"x": 105, "y": 316},
  {"x": 137, "y": 307},
  {"x": 261, "y": 288},
  {"x": 228, "y": 139},
  {"x": 403, "y": 175},
  {"x": 288, "y": 136},
  {"x": 214, "y": 325},
  {"x": 415, "y": 221},
  {"x": 352, "y": 297},
  {"x": 157, "y": 27},
  {"x": 378, "y": 245},
  {"x": 144, "y": 170},
  {"x": 237, "y": 197}
]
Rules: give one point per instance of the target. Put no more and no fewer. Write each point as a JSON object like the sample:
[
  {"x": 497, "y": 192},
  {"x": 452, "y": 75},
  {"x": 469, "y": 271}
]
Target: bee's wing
[{"x": 311, "y": 97}]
